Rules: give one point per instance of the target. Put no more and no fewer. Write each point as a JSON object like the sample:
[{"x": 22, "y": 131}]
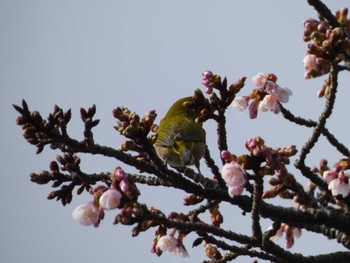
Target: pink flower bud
[
  {"x": 225, "y": 154},
  {"x": 322, "y": 27},
  {"x": 289, "y": 241},
  {"x": 124, "y": 186},
  {"x": 253, "y": 109},
  {"x": 208, "y": 90},
  {"x": 310, "y": 62},
  {"x": 207, "y": 74},
  {"x": 206, "y": 82},
  {"x": 119, "y": 173},
  {"x": 86, "y": 214},
  {"x": 110, "y": 199},
  {"x": 308, "y": 24}
]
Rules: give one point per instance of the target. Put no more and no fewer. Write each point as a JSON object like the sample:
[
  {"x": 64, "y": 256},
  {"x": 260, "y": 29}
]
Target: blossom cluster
[
  {"x": 276, "y": 159},
  {"x": 133, "y": 127},
  {"x": 207, "y": 81},
  {"x": 325, "y": 39},
  {"x": 106, "y": 198},
  {"x": 210, "y": 81},
  {"x": 336, "y": 178},
  {"x": 267, "y": 96}
]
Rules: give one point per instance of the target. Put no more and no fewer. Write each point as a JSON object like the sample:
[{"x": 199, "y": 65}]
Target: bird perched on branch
[{"x": 181, "y": 140}]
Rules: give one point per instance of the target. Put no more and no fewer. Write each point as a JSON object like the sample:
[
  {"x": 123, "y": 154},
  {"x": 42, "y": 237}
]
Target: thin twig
[
  {"x": 310, "y": 123},
  {"x": 300, "y": 163}
]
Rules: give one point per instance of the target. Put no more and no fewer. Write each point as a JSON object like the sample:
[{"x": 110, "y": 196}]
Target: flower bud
[
  {"x": 110, "y": 199},
  {"x": 86, "y": 214}
]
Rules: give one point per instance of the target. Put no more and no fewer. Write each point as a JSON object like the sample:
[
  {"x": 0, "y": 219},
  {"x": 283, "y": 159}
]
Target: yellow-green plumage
[{"x": 181, "y": 141}]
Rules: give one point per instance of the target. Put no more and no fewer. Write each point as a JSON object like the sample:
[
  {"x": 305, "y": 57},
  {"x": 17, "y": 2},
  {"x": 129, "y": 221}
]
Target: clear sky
[{"x": 144, "y": 55}]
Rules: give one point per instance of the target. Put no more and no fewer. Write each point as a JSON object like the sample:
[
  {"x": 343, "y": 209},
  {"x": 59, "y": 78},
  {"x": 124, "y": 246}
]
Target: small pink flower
[
  {"x": 329, "y": 176},
  {"x": 86, "y": 214},
  {"x": 110, "y": 199},
  {"x": 282, "y": 94},
  {"x": 241, "y": 103},
  {"x": 167, "y": 244},
  {"x": 170, "y": 244},
  {"x": 315, "y": 66},
  {"x": 270, "y": 86},
  {"x": 260, "y": 80},
  {"x": 339, "y": 186},
  {"x": 235, "y": 177},
  {"x": 270, "y": 103},
  {"x": 310, "y": 62}
]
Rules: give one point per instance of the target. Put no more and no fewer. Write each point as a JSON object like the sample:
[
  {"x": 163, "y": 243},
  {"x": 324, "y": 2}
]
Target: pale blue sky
[{"x": 144, "y": 55}]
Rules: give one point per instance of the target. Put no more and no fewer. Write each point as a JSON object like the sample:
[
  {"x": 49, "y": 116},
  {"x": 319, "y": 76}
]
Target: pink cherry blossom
[
  {"x": 282, "y": 94},
  {"x": 270, "y": 102},
  {"x": 339, "y": 186},
  {"x": 235, "y": 177},
  {"x": 241, "y": 103},
  {"x": 329, "y": 176},
  {"x": 315, "y": 66},
  {"x": 270, "y": 86},
  {"x": 170, "y": 244},
  {"x": 310, "y": 62},
  {"x": 110, "y": 199},
  {"x": 167, "y": 244},
  {"x": 86, "y": 214},
  {"x": 260, "y": 80}
]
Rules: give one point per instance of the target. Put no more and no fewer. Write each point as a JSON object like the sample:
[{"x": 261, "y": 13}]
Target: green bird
[{"x": 181, "y": 141}]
